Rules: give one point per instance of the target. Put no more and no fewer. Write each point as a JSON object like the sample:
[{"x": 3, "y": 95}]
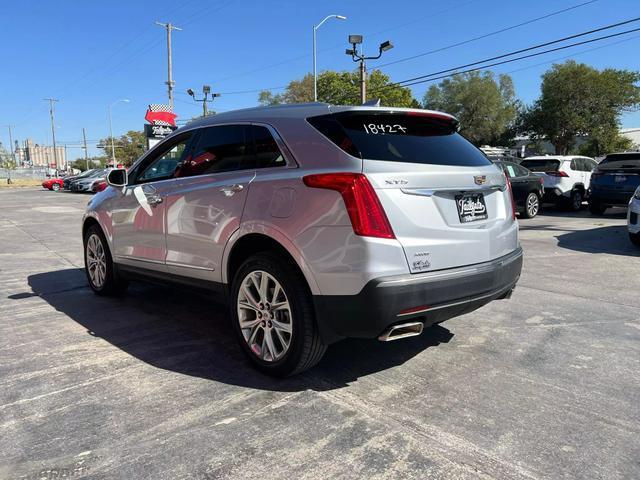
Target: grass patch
[{"x": 19, "y": 183}]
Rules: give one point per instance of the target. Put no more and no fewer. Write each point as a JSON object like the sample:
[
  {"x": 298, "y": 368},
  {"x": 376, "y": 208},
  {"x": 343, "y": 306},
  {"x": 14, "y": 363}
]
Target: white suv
[
  {"x": 566, "y": 178},
  {"x": 314, "y": 222}
]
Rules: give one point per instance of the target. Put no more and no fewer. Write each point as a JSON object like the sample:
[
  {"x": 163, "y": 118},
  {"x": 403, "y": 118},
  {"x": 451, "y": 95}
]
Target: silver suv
[{"x": 314, "y": 222}]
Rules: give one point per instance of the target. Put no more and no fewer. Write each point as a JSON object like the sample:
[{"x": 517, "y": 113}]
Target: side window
[
  {"x": 521, "y": 171},
  {"x": 574, "y": 165},
  {"x": 164, "y": 166},
  {"x": 266, "y": 149},
  {"x": 591, "y": 164},
  {"x": 220, "y": 149}
]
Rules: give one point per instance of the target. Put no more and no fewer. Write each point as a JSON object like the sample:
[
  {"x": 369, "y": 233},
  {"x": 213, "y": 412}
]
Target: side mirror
[{"x": 117, "y": 177}]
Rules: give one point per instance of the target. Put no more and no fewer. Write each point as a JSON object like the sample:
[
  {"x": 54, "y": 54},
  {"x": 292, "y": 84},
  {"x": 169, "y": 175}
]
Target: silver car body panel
[{"x": 193, "y": 230}]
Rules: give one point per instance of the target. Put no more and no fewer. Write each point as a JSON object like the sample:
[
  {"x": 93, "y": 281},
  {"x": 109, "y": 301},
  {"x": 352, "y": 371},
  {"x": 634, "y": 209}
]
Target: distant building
[{"x": 41, "y": 155}]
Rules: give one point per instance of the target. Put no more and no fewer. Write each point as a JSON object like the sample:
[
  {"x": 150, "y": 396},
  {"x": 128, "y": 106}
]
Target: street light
[
  {"x": 355, "y": 40},
  {"x": 206, "y": 90},
  {"x": 113, "y": 148},
  {"x": 315, "y": 73}
]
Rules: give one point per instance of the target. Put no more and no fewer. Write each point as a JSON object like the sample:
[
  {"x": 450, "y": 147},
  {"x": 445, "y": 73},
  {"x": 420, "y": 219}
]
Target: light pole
[
  {"x": 315, "y": 73},
  {"x": 356, "y": 40},
  {"x": 113, "y": 148},
  {"x": 206, "y": 89}
]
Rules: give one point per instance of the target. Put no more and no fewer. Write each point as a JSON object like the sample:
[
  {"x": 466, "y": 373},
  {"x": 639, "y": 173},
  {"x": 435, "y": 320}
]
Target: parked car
[
  {"x": 614, "y": 181},
  {"x": 67, "y": 180},
  {"x": 504, "y": 158},
  {"x": 633, "y": 214},
  {"x": 527, "y": 188},
  {"x": 54, "y": 184},
  {"x": 98, "y": 186},
  {"x": 566, "y": 179},
  {"x": 315, "y": 223},
  {"x": 85, "y": 184}
]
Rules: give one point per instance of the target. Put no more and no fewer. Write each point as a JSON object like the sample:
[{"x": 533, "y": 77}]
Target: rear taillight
[
  {"x": 513, "y": 203},
  {"x": 557, "y": 174},
  {"x": 365, "y": 210}
]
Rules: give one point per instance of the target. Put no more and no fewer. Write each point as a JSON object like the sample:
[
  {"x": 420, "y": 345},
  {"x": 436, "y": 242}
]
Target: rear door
[{"x": 444, "y": 199}]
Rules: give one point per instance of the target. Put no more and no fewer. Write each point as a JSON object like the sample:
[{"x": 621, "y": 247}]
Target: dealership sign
[{"x": 162, "y": 122}]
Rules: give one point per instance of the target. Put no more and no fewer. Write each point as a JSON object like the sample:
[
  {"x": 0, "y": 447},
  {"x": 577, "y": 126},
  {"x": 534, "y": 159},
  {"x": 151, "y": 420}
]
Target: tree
[
  {"x": 342, "y": 88},
  {"x": 578, "y": 100},
  {"x": 128, "y": 147},
  {"x": 93, "y": 162},
  {"x": 485, "y": 107}
]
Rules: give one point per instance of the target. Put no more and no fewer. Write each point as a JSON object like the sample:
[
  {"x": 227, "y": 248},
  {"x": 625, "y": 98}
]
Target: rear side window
[
  {"x": 220, "y": 149},
  {"x": 541, "y": 165},
  {"x": 266, "y": 149},
  {"x": 399, "y": 137}
]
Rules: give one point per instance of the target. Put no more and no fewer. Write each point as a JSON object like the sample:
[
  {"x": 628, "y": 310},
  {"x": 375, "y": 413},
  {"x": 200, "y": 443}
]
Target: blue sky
[{"x": 89, "y": 54}]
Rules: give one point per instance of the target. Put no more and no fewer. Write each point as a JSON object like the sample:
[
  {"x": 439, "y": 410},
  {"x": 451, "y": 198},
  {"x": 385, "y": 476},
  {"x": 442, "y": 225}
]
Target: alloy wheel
[
  {"x": 533, "y": 205},
  {"x": 96, "y": 261},
  {"x": 264, "y": 314}
]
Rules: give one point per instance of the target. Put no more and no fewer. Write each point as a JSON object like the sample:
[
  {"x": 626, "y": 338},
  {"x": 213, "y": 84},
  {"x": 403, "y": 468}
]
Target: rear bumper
[
  {"x": 619, "y": 198},
  {"x": 443, "y": 294}
]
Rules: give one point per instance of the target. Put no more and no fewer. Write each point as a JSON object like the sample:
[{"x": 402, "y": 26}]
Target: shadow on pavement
[
  {"x": 613, "y": 240},
  {"x": 185, "y": 332}
]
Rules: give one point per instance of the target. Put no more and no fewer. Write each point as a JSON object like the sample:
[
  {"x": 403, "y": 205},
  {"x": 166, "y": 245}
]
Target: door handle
[
  {"x": 229, "y": 190},
  {"x": 154, "y": 200}
]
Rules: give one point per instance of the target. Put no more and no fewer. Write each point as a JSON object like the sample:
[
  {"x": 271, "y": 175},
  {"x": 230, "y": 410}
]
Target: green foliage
[
  {"x": 342, "y": 88},
  {"x": 485, "y": 107},
  {"x": 601, "y": 145},
  {"x": 94, "y": 162},
  {"x": 578, "y": 100},
  {"x": 128, "y": 147}
]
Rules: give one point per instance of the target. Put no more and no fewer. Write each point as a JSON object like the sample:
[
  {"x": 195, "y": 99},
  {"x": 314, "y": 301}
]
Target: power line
[
  {"x": 513, "y": 59},
  {"x": 486, "y": 35},
  {"x": 522, "y": 50}
]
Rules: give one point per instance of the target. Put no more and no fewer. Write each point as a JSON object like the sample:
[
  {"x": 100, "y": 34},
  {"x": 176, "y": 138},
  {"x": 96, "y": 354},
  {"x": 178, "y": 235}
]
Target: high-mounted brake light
[{"x": 365, "y": 210}]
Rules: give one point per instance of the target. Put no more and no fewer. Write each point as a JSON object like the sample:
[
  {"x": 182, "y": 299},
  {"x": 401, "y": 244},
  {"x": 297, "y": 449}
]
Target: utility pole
[
  {"x": 11, "y": 142},
  {"x": 86, "y": 155},
  {"x": 206, "y": 89},
  {"x": 53, "y": 128},
  {"x": 356, "y": 40},
  {"x": 170, "y": 82}
]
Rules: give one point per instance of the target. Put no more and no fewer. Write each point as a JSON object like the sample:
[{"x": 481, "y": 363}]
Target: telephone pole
[
  {"x": 86, "y": 155},
  {"x": 11, "y": 142},
  {"x": 53, "y": 128},
  {"x": 170, "y": 82}
]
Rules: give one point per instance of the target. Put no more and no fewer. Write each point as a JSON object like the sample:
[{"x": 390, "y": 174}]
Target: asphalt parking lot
[{"x": 152, "y": 385}]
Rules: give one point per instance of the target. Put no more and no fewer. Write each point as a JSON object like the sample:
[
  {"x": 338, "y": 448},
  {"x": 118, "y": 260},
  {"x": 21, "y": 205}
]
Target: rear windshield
[
  {"x": 618, "y": 157},
  {"x": 400, "y": 137},
  {"x": 541, "y": 165}
]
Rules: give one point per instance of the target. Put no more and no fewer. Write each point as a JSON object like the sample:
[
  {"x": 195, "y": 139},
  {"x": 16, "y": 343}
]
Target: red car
[
  {"x": 99, "y": 186},
  {"x": 54, "y": 184}
]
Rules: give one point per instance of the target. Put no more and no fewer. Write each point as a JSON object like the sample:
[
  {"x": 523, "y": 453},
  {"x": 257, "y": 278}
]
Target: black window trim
[{"x": 158, "y": 150}]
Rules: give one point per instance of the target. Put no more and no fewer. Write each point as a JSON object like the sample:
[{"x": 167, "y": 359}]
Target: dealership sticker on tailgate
[{"x": 471, "y": 207}]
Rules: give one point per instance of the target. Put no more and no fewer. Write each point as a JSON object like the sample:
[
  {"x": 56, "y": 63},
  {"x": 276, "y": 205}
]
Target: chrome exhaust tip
[{"x": 402, "y": 330}]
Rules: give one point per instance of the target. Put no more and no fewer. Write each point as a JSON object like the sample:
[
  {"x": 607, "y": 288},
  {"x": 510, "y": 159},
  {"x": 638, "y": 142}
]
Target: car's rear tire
[
  {"x": 596, "y": 208},
  {"x": 273, "y": 316},
  {"x": 635, "y": 238},
  {"x": 55, "y": 187},
  {"x": 101, "y": 273},
  {"x": 575, "y": 201},
  {"x": 531, "y": 205}
]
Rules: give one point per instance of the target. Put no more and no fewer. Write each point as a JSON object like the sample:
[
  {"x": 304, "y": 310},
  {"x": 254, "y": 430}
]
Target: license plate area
[{"x": 471, "y": 207}]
